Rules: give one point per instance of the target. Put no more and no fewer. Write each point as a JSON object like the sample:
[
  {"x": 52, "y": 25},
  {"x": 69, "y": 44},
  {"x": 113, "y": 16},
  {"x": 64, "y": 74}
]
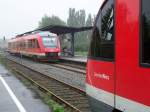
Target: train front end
[{"x": 50, "y": 46}]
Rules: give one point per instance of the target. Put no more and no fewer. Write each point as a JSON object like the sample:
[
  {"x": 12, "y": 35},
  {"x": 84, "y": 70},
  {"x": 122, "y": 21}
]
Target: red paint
[
  {"x": 32, "y": 51},
  {"x": 96, "y": 73},
  {"x": 131, "y": 80}
]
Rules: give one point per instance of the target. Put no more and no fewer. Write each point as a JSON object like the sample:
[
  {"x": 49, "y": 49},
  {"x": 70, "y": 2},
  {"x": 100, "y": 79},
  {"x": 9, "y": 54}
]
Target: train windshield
[
  {"x": 102, "y": 42},
  {"x": 50, "y": 42}
]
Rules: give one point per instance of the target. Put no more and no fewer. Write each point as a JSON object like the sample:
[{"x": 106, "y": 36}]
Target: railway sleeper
[
  {"x": 56, "y": 88},
  {"x": 77, "y": 97},
  {"x": 86, "y": 110},
  {"x": 73, "y": 97},
  {"x": 62, "y": 94},
  {"x": 45, "y": 82},
  {"x": 64, "y": 90},
  {"x": 69, "y": 93},
  {"x": 81, "y": 105},
  {"x": 53, "y": 84},
  {"x": 78, "y": 100},
  {"x": 60, "y": 91},
  {"x": 78, "y": 103}
]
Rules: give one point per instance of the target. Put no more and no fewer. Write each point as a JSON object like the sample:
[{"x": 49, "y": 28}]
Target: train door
[
  {"x": 132, "y": 56},
  {"x": 100, "y": 85}
]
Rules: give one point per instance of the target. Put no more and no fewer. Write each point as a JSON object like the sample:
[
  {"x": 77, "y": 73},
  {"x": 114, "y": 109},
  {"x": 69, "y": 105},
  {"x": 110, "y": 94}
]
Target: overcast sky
[{"x": 19, "y": 16}]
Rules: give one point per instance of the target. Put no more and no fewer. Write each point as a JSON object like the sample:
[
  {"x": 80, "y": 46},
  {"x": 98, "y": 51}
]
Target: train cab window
[
  {"x": 102, "y": 41},
  {"x": 145, "y": 31},
  {"x": 49, "y": 42}
]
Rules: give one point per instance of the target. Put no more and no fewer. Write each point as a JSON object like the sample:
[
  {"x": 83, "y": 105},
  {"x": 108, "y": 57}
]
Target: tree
[
  {"x": 78, "y": 19},
  {"x": 71, "y": 21},
  {"x": 53, "y": 20},
  {"x": 89, "y": 22},
  {"x": 75, "y": 19}
]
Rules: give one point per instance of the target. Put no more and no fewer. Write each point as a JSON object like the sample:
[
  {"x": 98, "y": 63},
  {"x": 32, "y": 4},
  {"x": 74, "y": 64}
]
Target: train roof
[
  {"x": 41, "y": 33},
  {"x": 46, "y": 33},
  {"x": 32, "y": 35},
  {"x": 57, "y": 29}
]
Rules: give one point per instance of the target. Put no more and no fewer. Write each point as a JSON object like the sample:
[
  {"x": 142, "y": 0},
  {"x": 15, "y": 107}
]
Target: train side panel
[
  {"x": 30, "y": 46},
  {"x": 100, "y": 85},
  {"x": 132, "y": 80},
  {"x": 129, "y": 84}
]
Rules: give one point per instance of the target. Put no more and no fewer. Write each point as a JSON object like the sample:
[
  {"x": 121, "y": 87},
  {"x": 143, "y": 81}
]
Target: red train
[
  {"x": 118, "y": 67},
  {"x": 44, "y": 46}
]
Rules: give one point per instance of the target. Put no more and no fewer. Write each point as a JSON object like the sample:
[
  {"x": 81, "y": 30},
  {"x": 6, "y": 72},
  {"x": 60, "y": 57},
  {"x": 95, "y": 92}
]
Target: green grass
[
  {"x": 55, "y": 106},
  {"x": 81, "y": 53},
  {"x": 44, "y": 97}
]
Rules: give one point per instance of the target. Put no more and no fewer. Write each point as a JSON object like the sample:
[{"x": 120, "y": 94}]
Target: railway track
[
  {"x": 71, "y": 67},
  {"x": 73, "y": 63},
  {"x": 73, "y": 98},
  {"x": 72, "y": 77}
]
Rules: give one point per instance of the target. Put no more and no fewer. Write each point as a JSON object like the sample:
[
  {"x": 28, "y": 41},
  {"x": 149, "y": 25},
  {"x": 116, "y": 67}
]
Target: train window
[
  {"x": 49, "y": 42},
  {"x": 145, "y": 56},
  {"x": 102, "y": 42},
  {"x": 22, "y": 44},
  {"x": 29, "y": 43},
  {"x": 14, "y": 45},
  {"x": 33, "y": 43},
  {"x": 37, "y": 44}
]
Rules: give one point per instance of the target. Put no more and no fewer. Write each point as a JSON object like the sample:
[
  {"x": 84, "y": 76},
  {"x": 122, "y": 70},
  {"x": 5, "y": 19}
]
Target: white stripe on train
[
  {"x": 32, "y": 53},
  {"x": 122, "y": 103}
]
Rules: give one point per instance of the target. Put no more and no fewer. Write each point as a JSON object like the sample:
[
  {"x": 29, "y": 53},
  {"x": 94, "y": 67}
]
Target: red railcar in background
[
  {"x": 44, "y": 46},
  {"x": 118, "y": 67}
]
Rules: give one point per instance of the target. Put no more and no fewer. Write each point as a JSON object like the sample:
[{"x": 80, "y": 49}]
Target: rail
[{"x": 72, "y": 97}]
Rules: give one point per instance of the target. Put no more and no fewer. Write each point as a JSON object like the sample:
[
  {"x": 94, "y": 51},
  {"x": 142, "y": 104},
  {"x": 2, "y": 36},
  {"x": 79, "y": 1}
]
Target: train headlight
[{"x": 59, "y": 54}]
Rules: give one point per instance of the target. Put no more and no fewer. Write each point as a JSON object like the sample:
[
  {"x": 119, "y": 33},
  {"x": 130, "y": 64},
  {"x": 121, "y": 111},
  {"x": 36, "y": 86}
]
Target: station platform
[
  {"x": 75, "y": 59},
  {"x": 15, "y": 97}
]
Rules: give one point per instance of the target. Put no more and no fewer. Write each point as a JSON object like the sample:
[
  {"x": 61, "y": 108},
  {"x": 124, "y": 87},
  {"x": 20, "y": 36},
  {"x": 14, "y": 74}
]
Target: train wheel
[{"x": 35, "y": 58}]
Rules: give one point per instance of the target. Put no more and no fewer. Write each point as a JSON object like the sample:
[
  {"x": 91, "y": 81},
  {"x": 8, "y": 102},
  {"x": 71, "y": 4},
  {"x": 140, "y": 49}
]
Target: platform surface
[
  {"x": 75, "y": 58},
  {"x": 15, "y": 97}
]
